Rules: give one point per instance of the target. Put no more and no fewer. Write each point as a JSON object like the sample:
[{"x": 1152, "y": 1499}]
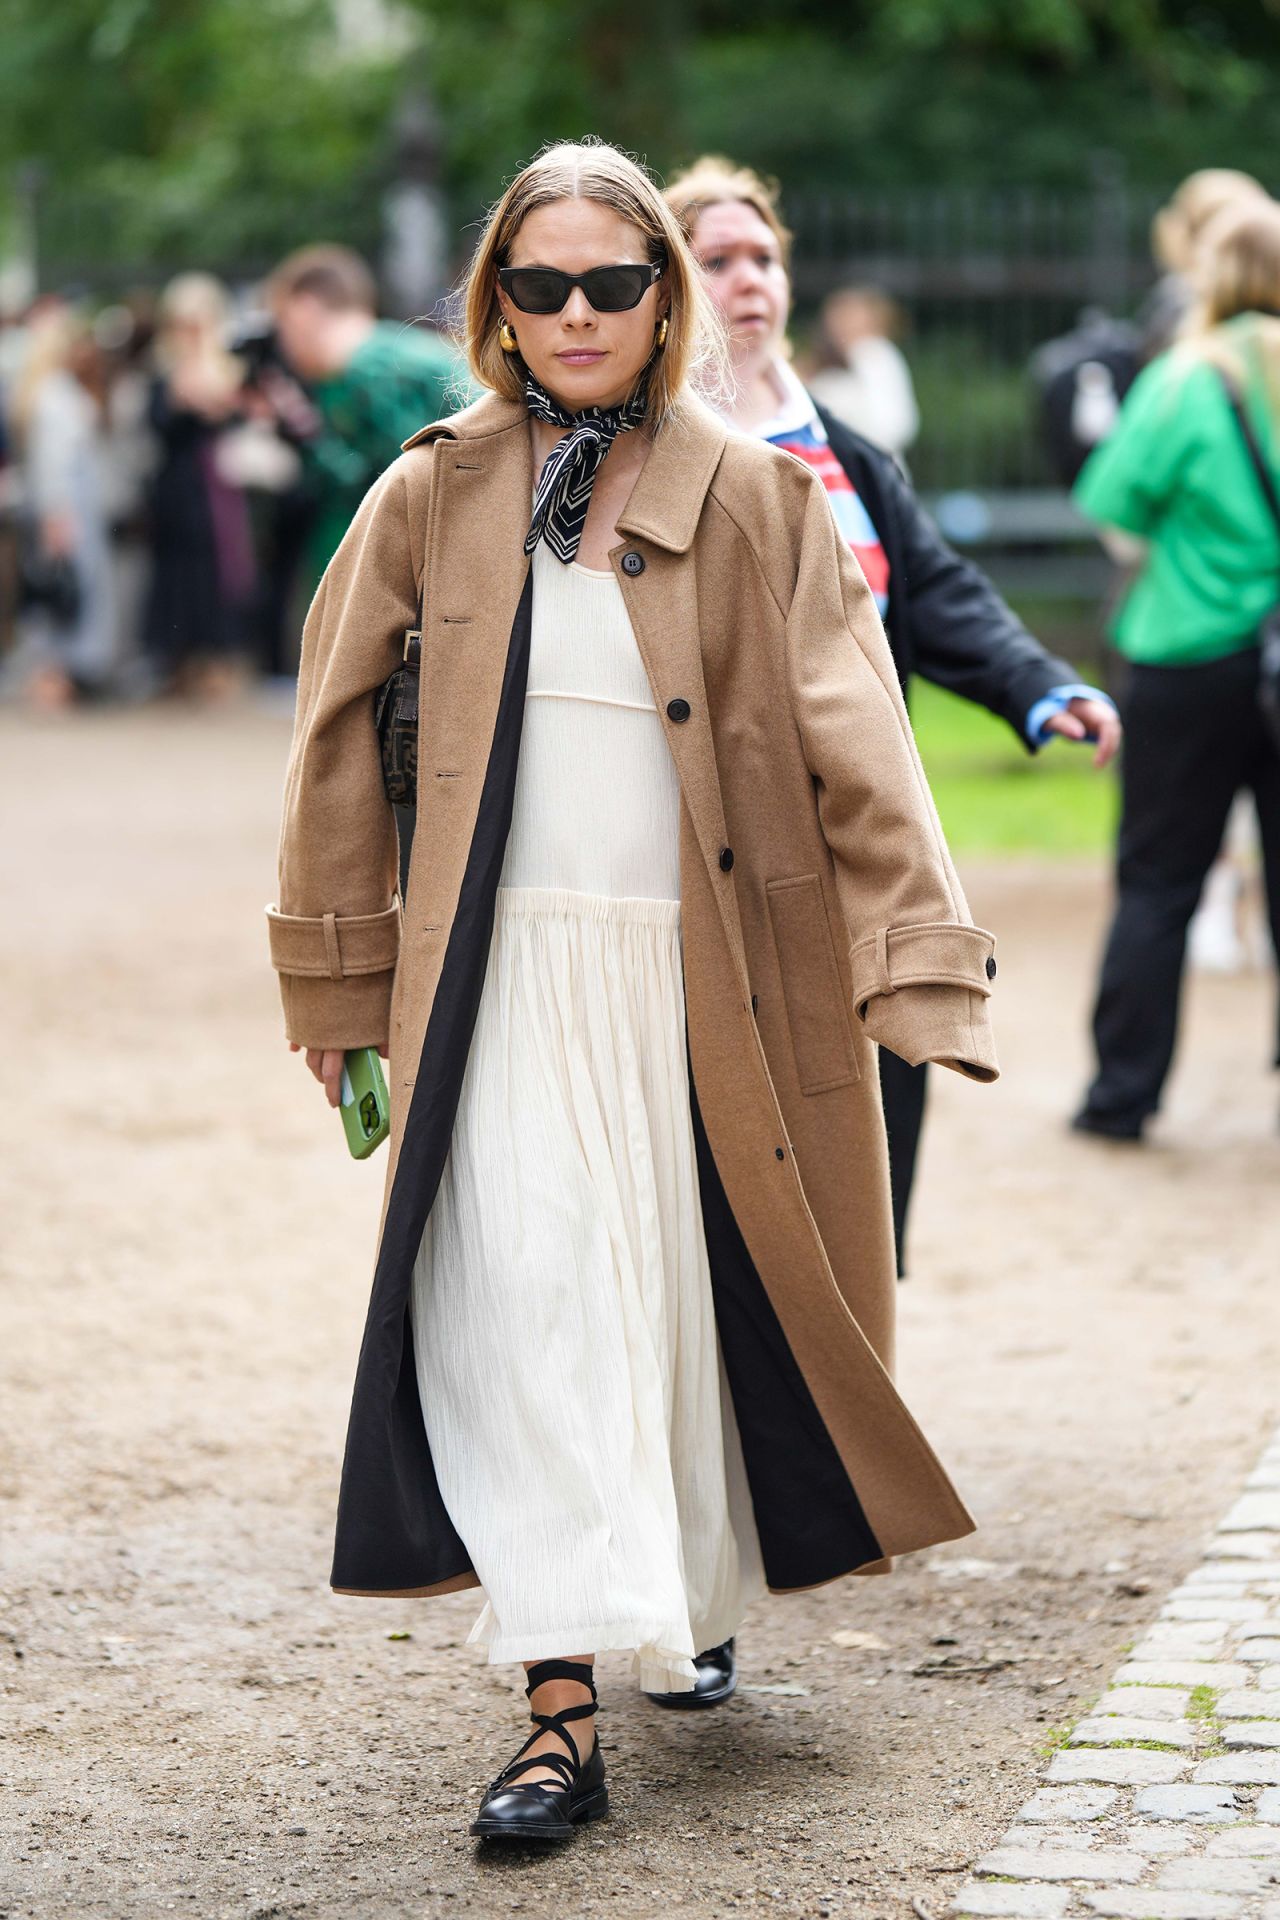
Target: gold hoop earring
[
  {"x": 664, "y": 326},
  {"x": 506, "y": 338}
]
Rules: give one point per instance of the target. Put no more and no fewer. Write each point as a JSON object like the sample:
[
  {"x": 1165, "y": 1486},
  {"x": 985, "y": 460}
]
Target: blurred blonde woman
[
  {"x": 1176, "y": 234},
  {"x": 1176, "y": 476},
  {"x": 203, "y": 566},
  {"x": 1223, "y": 936},
  {"x": 675, "y": 870},
  {"x": 861, "y": 373},
  {"x": 69, "y": 640}
]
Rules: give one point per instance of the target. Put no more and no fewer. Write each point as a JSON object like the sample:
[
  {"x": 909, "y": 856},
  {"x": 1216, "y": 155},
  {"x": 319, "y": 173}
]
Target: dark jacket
[
  {"x": 201, "y": 577},
  {"x": 945, "y": 620}
]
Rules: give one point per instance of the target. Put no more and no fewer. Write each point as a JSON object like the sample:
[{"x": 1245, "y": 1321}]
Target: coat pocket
[{"x": 821, "y": 1038}]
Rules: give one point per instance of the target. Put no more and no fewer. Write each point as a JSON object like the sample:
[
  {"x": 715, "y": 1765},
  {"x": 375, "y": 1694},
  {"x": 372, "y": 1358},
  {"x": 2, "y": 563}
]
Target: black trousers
[
  {"x": 902, "y": 1090},
  {"x": 1194, "y": 738}
]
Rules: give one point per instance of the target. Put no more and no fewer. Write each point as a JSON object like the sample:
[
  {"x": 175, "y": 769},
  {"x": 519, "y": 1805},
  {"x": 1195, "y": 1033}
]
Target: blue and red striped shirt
[{"x": 797, "y": 429}]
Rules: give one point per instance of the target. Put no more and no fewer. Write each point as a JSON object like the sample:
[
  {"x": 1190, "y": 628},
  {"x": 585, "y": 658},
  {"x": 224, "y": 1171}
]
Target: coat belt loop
[
  {"x": 333, "y": 952},
  {"x": 882, "y": 960}
]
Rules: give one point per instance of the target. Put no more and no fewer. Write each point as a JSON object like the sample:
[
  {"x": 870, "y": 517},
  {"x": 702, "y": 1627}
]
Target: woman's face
[
  {"x": 583, "y": 358},
  {"x": 742, "y": 261},
  {"x": 186, "y": 335}
]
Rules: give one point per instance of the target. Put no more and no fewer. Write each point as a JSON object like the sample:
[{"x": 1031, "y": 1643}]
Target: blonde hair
[
  {"x": 51, "y": 346},
  {"x": 198, "y": 301},
  {"x": 1238, "y": 273},
  {"x": 1176, "y": 229},
  {"x": 712, "y": 181},
  {"x": 1238, "y": 265},
  {"x": 694, "y": 353}
]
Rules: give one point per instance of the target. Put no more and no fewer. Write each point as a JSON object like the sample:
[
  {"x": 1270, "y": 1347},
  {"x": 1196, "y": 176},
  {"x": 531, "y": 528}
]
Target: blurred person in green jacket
[
  {"x": 371, "y": 383},
  {"x": 1175, "y": 488}
]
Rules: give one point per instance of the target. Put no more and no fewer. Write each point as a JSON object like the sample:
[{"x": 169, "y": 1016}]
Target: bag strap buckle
[{"x": 413, "y": 647}]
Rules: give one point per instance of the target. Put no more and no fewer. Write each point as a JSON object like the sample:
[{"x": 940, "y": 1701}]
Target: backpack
[{"x": 1082, "y": 378}]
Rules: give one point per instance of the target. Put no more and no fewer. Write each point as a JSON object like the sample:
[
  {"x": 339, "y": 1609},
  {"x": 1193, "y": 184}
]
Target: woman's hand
[
  {"x": 326, "y": 1064},
  {"x": 1090, "y": 720},
  {"x": 203, "y": 389},
  {"x": 58, "y": 535}
]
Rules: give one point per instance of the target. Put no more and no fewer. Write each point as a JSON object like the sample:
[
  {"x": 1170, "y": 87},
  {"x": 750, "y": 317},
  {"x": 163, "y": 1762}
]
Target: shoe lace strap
[
  {"x": 566, "y": 1766},
  {"x": 543, "y": 1670}
]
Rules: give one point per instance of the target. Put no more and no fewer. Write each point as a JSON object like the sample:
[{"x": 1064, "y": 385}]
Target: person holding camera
[{"x": 367, "y": 383}]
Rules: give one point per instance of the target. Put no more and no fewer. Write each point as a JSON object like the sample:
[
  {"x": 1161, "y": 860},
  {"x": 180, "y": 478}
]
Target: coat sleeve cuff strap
[
  {"x": 936, "y": 954},
  {"x": 334, "y": 946}
]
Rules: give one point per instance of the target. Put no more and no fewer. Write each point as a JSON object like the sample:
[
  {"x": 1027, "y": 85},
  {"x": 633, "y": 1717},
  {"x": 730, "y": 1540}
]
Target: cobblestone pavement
[{"x": 1164, "y": 1804}]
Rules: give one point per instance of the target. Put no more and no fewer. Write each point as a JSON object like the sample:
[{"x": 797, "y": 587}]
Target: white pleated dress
[{"x": 566, "y": 1348}]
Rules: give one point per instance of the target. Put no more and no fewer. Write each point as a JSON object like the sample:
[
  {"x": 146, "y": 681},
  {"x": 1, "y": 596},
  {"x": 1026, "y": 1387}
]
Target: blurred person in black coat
[
  {"x": 944, "y": 619},
  {"x": 203, "y": 566}
]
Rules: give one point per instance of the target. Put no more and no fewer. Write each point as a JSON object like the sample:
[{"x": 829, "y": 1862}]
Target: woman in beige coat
[{"x": 676, "y": 872}]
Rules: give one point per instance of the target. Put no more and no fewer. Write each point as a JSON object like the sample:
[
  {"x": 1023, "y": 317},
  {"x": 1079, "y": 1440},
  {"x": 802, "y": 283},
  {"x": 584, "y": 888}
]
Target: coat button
[
  {"x": 726, "y": 859},
  {"x": 991, "y": 967},
  {"x": 779, "y": 1154},
  {"x": 632, "y": 562},
  {"x": 678, "y": 710}
]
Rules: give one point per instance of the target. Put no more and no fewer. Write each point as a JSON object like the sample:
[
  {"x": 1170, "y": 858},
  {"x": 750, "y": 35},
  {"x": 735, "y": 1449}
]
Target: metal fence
[{"x": 983, "y": 278}]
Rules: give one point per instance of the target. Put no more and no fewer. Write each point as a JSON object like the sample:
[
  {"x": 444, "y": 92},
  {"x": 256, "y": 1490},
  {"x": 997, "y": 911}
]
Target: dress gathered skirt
[{"x": 565, "y": 1339}]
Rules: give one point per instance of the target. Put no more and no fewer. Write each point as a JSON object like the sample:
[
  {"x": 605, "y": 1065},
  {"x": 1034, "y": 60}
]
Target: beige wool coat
[{"x": 821, "y": 917}]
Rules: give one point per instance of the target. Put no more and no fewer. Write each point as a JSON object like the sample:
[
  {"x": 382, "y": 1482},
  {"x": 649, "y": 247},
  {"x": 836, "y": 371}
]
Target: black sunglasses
[{"x": 608, "y": 289}]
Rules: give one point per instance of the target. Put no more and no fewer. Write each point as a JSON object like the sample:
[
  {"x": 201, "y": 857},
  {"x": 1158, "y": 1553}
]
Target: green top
[
  {"x": 398, "y": 379},
  {"x": 1175, "y": 472}
]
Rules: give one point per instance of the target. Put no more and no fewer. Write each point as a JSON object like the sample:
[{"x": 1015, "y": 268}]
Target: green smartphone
[{"x": 365, "y": 1104}]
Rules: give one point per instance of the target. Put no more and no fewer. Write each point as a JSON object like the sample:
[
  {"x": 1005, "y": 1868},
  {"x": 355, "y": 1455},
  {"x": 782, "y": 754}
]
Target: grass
[
  {"x": 995, "y": 799},
  {"x": 1202, "y": 1711},
  {"x": 1202, "y": 1708}
]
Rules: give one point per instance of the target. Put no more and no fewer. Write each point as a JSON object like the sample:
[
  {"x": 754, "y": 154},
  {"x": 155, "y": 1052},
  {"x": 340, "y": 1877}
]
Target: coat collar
[
  {"x": 488, "y": 415},
  {"x": 666, "y": 501}
]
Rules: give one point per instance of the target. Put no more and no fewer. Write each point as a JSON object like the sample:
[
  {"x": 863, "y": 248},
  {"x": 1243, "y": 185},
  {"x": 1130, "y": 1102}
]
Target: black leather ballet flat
[
  {"x": 516, "y": 1809},
  {"x": 717, "y": 1677}
]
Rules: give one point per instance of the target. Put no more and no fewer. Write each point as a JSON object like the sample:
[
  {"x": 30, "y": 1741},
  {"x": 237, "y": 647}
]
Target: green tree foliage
[
  {"x": 880, "y": 92},
  {"x": 511, "y": 75},
  {"x": 175, "y": 131},
  {"x": 168, "y": 131}
]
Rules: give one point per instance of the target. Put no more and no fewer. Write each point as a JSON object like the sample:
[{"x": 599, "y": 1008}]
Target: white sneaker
[{"x": 1213, "y": 938}]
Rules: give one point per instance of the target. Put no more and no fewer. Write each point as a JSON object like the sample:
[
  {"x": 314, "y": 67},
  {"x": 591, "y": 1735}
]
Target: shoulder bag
[
  {"x": 395, "y": 715},
  {"x": 1269, "y": 629},
  {"x": 49, "y": 582}
]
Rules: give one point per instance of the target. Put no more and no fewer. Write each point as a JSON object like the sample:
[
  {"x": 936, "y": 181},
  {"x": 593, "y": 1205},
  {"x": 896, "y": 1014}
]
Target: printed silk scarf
[{"x": 565, "y": 483}]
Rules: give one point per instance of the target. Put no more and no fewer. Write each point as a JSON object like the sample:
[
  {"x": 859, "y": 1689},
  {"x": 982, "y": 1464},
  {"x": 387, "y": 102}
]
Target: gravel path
[{"x": 193, "y": 1723}]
